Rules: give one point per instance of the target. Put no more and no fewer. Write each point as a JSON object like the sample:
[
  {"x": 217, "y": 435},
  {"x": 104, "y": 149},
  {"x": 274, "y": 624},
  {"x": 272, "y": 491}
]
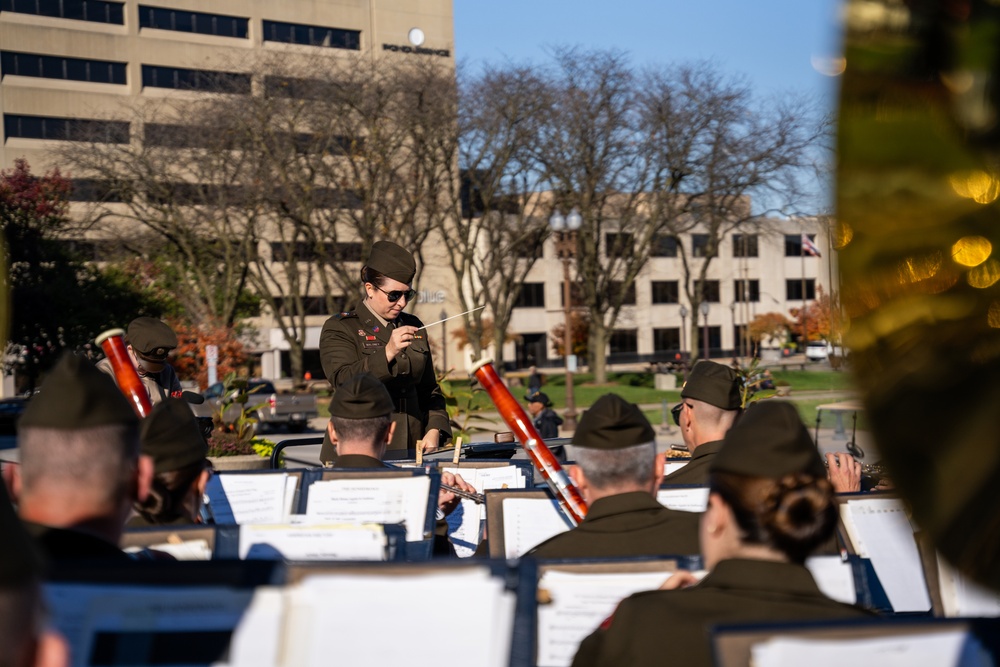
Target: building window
[
  {"x": 744, "y": 245},
  {"x": 179, "y": 20},
  {"x": 173, "y": 136},
  {"x": 664, "y": 245},
  {"x": 665, "y": 291},
  {"x": 57, "y": 67},
  {"x": 618, "y": 245},
  {"x": 96, "y": 11},
  {"x": 307, "y": 251},
  {"x": 575, "y": 294},
  {"x": 628, "y": 297},
  {"x": 301, "y": 89},
  {"x": 88, "y": 189},
  {"x": 65, "y": 129},
  {"x": 710, "y": 291},
  {"x": 699, "y": 246},
  {"x": 667, "y": 340},
  {"x": 531, "y": 295},
  {"x": 530, "y": 246},
  {"x": 714, "y": 338},
  {"x": 312, "y": 35},
  {"x": 746, "y": 290},
  {"x": 624, "y": 341},
  {"x": 154, "y": 76},
  {"x": 793, "y": 244},
  {"x": 311, "y": 305},
  {"x": 793, "y": 289}
]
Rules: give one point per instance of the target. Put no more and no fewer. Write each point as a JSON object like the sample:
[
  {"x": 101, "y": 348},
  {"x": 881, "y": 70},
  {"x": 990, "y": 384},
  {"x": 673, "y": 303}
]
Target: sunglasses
[
  {"x": 676, "y": 412},
  {"x": 395, "y": 295}
]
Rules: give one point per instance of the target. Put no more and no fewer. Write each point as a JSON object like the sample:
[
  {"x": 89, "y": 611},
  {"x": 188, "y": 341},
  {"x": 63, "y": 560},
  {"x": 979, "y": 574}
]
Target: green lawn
[{"x": 815, "y": 380}]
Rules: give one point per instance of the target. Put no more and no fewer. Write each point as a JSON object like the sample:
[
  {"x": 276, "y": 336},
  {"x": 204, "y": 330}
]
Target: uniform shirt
[
  {"x": 696, "y": 471},
  {"x": 66, "y": 544},
  {"x": 158, "y": 385},
  {"x": 358, "y": 461},
  {"x": 627, "y": 524},
  {"x": 547, "y": 422},
  {"x": 351, "y": 343},
  {"x": 660, "y": 627}
]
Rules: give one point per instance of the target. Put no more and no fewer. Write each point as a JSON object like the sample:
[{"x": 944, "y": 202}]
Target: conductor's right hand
[{"x": 401, "y": 338}]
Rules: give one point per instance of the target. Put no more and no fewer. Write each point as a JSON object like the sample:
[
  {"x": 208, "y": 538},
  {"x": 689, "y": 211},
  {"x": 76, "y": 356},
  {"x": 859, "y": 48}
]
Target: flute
[{"x": 477, "y": 498}]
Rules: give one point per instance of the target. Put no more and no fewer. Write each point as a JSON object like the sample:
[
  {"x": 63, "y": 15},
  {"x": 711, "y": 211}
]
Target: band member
[
  {"x": 149, "y": 341},
  {"x": 381, "y": 339}
]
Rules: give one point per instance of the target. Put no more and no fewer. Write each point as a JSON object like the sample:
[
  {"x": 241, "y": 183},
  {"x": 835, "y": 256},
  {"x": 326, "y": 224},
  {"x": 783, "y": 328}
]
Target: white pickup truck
[{"x": 272, "y": 408}]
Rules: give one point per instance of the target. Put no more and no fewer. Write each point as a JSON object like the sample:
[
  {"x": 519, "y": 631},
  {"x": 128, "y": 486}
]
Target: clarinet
[
  {"x": 112, "y": 342},
  {"x": 542, "y": 458}
]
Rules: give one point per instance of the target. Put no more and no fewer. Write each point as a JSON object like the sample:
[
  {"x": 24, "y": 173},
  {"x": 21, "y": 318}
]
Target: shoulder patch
[{"x": 344, "y": 316}]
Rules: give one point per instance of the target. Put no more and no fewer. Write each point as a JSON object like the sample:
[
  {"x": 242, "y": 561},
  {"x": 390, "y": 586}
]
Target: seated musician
[
  {"x": 770, "y": 506},
  {"x": 150, "y": 342},
  {"x": 171, "y": 438},
  {"x": 618, "y": 473},
  {"x": 361, "y": 428},
  {"x": 80, "y": 468}
]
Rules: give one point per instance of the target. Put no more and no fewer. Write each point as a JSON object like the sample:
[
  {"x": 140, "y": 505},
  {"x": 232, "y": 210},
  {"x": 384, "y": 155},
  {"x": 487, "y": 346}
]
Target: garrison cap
[
  {"x": 171, "y": 437},
  {"x": 613, "y": 423},
  {"x": 152, "y": 340},
  {"x": 361, "y": 397},
  {"x": 714, "y": 384},
  {"x": 20, "y": 560},
  {"x": 771, "y": 441},
  {"x": 539, "y": 397},
  {"x": 392, "y": 261},
  {"x": 77, "y": 395}
]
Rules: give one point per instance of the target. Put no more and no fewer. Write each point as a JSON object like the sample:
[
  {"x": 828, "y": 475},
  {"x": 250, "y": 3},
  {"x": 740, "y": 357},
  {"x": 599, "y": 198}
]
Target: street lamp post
[
  {"x": 565, "y": 229},
  {"x": 444, "y": 340},
  {"x": 704, "y": 332},
  {"x": 684, "y": 314},
  {"x": 736, "y": 336}
]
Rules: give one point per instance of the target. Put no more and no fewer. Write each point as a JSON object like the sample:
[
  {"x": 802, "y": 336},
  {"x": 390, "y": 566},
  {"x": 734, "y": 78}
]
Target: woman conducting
[
  {"x": 378, "y": 337},
  {"x": 770, "y": 505}
]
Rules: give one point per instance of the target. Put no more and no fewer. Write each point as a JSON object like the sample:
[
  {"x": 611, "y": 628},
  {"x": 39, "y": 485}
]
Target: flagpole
[{"x": 805, "y": 317}]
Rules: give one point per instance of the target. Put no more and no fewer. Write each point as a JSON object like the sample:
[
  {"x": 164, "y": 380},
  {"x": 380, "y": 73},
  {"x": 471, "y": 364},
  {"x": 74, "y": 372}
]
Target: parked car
[
  {"x": 817, "y": 350},
  {"x": 271, "y": 407}
]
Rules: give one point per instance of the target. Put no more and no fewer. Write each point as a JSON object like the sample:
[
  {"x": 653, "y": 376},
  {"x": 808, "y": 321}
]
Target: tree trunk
[
  {"x": 598, "y": 357},
  {"x": 695, "y": 336}
]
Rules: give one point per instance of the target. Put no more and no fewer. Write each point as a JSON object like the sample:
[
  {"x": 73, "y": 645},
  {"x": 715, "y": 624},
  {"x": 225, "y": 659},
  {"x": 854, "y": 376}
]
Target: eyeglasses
[
  {"x": 395, "y": 295},
  {"x": 676, "y": 412}
]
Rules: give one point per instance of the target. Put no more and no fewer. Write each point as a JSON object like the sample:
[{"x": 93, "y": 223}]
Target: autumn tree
[
  {"x": 822, "y": 319},
  {"x": 189, "y": 358},
  {"x": 769, "y": 329}
]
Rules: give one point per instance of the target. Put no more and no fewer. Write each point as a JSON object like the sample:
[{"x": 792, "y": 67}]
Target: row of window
[
  {"x": 532, "y": 295},
  {"x": 57, "y": 67},
  {"x": 664, "y": 245},
  {"x": 179, "y": 20}
]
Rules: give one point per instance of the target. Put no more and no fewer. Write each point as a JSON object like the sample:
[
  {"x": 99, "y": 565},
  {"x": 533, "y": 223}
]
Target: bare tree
[
  {"x": 590, "y": 147},
  {"x": 497, "y": 238},
  {"x": 711, "y": 147}
]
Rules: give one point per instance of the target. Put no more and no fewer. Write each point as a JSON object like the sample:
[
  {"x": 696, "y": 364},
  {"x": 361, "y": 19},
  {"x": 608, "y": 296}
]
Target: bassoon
[
  {"x": 112, "y": 342},
  {"x": 542, "y": 458}
]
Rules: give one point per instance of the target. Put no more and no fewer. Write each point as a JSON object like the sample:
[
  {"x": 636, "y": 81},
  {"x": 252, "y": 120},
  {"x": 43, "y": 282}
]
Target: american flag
[{"x": 808, "y": 247}]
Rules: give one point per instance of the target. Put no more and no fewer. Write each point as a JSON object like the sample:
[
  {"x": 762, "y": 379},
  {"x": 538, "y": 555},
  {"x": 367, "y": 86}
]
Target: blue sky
[
  {"x": 772, "y": 42},
  {"x": 776, "y": 44}
]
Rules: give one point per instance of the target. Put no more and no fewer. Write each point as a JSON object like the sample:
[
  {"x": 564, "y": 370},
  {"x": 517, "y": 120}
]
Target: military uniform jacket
[
  {"x": 358, "y": 461},
  {"x": 628, "y": 524},
  {"x": 351, "y": 343},
  {"x": 158, "y": 385},
  {"x": 696, "y": 471},
  {"x": 548, "y": 422},
  {"x": 66, "y": 544},
  {"x": 656, "y": 627}
]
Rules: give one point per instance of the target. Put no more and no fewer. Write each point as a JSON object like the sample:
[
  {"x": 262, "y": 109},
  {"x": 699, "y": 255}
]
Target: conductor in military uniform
[
  {"x": 770, "y": 506},
  {"x": 149, "y": 341},
  {"x": 618, "y": 473},
  {"x": 710, "y": 404},
  {"x": 379, "y": 338}
]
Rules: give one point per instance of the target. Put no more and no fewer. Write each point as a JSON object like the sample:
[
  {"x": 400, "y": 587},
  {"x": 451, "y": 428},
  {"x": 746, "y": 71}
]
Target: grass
[{"x": 815, "y": 380}]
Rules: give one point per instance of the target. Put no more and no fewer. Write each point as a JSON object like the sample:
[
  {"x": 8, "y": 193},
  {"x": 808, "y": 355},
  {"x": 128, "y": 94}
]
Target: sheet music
[
  {"x": 834, "y": 577},
  {"x": 530, "y": 521},
  {"x": 940, "y": 648},
  {"x": 884, "y": 534},
  {"x": 961, "y": 596},
  {"x": 255, "y": 643},
  {"x": 81, "y": 612},
  {"x": 258, "y": 498},
  {"x": 581, "y": 602},
  {"x": 368, "y": 500},
  {"x": 671, "y": 465},
  {"x": 185, "y": 550},
  {"x": 684, "y": 499},
  {"x": 347, "y": 616},
  {"x": 465, "y": 523},
  {"x": 312, "y": 542}
]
